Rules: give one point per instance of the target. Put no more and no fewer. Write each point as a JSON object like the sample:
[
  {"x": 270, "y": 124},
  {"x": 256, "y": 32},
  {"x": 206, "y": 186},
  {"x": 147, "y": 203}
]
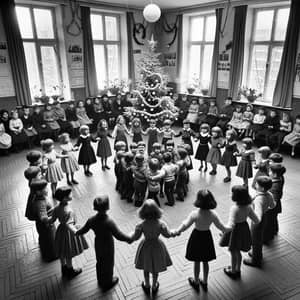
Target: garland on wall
[
  {"x": 170, "y": 29},
  {"x": 76, "y": 19},
  {"x": 139, "y": 29}
]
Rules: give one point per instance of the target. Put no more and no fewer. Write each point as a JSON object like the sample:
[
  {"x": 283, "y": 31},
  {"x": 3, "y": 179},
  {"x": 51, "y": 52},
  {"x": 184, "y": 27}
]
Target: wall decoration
[
  {"x": 171, "y": 29},
  {"x": 169, "y": 59},
  {"x": 75, "y": 49},
  {"x": 76, "y": 66},
  {"x": 223, "y": 70},
  {"x": 74, "y": 27}
]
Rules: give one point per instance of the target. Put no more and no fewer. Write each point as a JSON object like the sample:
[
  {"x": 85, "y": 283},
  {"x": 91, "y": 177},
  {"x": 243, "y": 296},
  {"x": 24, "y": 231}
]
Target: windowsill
[
  {"x": 260, "y": 103},
  {"x": 197, "y": 95}
]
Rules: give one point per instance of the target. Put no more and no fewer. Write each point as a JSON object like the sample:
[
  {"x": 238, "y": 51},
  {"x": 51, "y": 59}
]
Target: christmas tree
[{"x": 153, "y": 99}]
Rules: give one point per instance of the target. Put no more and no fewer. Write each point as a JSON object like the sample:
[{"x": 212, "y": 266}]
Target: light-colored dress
[
  {"x": 236, "y": 120},
  {"x": 82, "y": 116},
  {"x": 68, "y": 164},
  {"x": 67, "y": 244},
  {"x": 193, "y": 113},
  {"x": 5, "y": 139},
  {"x": 247, "y": 119},
  {"x": 152, "y": 254},
  {"x": 53, "y": 170},
  {"x": 294, "y": 137}
]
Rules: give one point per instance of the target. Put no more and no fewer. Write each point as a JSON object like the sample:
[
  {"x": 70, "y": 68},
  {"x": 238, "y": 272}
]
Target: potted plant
[
  {"x": 204, "y": 92},
  {"x": 250, "y": 94}
]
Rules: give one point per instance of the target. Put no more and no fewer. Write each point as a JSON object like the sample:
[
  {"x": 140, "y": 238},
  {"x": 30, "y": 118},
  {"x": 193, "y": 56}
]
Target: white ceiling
[{"x": 163, "y": 4}]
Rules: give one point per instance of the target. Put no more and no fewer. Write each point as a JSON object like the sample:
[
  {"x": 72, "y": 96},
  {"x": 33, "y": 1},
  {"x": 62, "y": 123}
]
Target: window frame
[
  {"x": 202, "y": 43},
  {"x": 271, "y": 44},
  {"x": 104, "y": 42},
  {"x": 40, "y": 42}
]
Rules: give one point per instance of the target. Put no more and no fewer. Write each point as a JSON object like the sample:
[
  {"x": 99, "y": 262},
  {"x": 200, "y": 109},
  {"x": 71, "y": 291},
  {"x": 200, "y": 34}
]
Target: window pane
[
  {"x": 50, "y": 69},
  {"x": 263, "y": 27},
  {"x": 32, "y": 69},
  {"x": 194, "y": 62},
  {"x": 111, "y": 28},
  {"x": 207, "y": 60},
  {"x": 274, "y": 69},
  {"x": 97, "y": 27},
  {"x": 210, "y": 28},
  {"x": 43, "y": 23},
  {"x": 281, "y": 24},
  {"x": 113, "y": 62},
  {"x": 24, "y": 20},
  {"x": 100, "y": 66},
  {"x": 197, "y": 29},
  {"x": 258, "y": 67}
]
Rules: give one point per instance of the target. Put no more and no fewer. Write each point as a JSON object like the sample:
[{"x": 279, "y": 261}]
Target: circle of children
[{"x": 163, "y": 173}]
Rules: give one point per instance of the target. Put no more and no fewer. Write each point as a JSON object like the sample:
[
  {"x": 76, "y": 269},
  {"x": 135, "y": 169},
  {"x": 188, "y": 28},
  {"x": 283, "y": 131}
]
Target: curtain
[
  {"x": 179, "y": 47},
  {"x": 212, "y": 91},
  {"x": 131, "y": 67},
  {"x": 283, "y": 92},
  {"x": 90, "y": 75},
  {"x": 237, "y": 54},
  {"x": 16, "y": 52}
]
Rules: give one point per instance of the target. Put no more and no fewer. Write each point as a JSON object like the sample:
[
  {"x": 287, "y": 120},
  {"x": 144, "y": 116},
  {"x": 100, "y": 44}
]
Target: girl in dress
[
  {"x": 5, "y": 139},
  {"x": 53, "y": 172},
  {"x": 120, "y": 130},
  {"x": 186, "y": 135},
  {"x": 200, "y": 247},
  {"x": 203, "y": 148},
  {"x": 17, "y": 131},
  {"x": 136, "y": 130},
  {"x": 103, "y": 149},
  {"x": 69, "y": 164},
  {"x": 152, "y": 255},
  {"x": 86, "y": 155},
  {"x": 167, "y": 132},
  {"x": 237, "y": 119},
  {"x": 247, "y": 120},
  {"x": 228, "y": 159},
  {"x": 192, "y": 115},
  {"x": 293, "y": 138},
  {"x": 239, "y": 238},
  {"x": 244, "y": 169},
  {"x": 152, "y": 131},
  {"x": 214, "y": 153},
  {"x": 263, "y": 165},
  {"x": 258, "y": 123},
  {"x": 67, "y": 244},
  {"x": 81, "y": 113}
]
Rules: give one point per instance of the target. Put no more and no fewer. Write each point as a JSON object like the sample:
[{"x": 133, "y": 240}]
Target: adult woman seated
[
  {"x": 16, "y": 128},
  {"x": 43, "y": 130}
]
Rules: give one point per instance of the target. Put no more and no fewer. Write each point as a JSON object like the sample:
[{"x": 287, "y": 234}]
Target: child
[
  {"x": 186, "y": 135},
  {"x": 284, "y": 129},
  {"x": 203, "y": 148},
  {"x": 34, "y": 157},
  {"x": 120, "y": 147},
  {"x": 239, "y": 238},
  {"x": 228, "y": 159},
  {"x": 192, "y": 116},
  {"x": 140, "y": 180},
  {"x": 167, "y": 132},
  {"x": 53, "y": 172},
  {"x": 136, "y": 130},
  {"x": 127, "y": 181},
  {"x": 67, "y": 244},
  {"x": 86, "y": 155},
  {"x": 153, "y": 185},
  {"x": 247, "y": 120},
  {"x": 200, "y": 247},
  {"x": 225, "y": 114},
  {"x": 81, "y": 114},
  {"x": 181, "y": 183},
  {"x": 50, "y": 121},
  {"x": 263, "y": 164},
  {"x": 141, "y": 147},
  {"x": 237, "y": 119},
  {"x": 271, "y": 227},
  {"x": 293, "y": 138},
  {"x": 72, "y": 118},
  {"x": 152, "y": 133},
  {"x": 263, "y": 201},
  {"x": 119, "y": 131},
  {"x": 69, "y": 164},
  {"x": 244, "y": 169},
  {"x": 170, "y": 148},
  {"x": 156, "y": 153},
  {"x": 152, "y": 255},
  {"x": 212, "y": 114},
  {"x": 258, "y": 123},
  {"x": 133, "y": 148},
  {"x": 103, "y": 149},
  {"x": 214, "y": 153},
  {"x": 105, "y": 230}
]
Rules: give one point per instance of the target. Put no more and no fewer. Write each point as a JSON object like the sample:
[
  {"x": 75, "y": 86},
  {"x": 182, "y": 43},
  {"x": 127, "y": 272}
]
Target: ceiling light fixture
[{"x": 152, "y": 12}]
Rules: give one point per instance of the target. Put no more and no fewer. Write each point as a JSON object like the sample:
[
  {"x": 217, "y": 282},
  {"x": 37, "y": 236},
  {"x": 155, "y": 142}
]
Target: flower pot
[
  {"x": 191, "y": 90},
  {"x": 204, "y": 92},
  {"x": 114, "y": 91},
  {"x": 251, "y": 98}
]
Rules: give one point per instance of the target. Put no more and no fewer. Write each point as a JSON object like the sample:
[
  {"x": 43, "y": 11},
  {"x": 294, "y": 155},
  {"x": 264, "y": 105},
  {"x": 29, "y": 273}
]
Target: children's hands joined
[{"x": 175, "y": 233}]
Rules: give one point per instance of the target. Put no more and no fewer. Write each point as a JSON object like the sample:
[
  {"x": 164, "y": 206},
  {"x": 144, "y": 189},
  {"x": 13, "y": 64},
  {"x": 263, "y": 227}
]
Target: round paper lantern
[{"x": 151, "y": 13}]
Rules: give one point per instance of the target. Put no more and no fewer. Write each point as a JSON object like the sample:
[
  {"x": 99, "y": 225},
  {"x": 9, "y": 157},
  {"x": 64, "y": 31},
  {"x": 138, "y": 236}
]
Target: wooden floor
[{"x": 23, "y": 275}]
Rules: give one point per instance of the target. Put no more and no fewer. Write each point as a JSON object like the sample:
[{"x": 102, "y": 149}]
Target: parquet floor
[{"x": 23, "y": 275}]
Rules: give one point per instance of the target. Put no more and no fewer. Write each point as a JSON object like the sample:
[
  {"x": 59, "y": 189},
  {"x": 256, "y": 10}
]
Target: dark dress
[
  {"x": 89, "y": 108},
  {"x": 203, "y": 109},
  {"x": 203, "y": 147},
  {"x": 86, "y": 153},
  {"x": 41, "y": 127},
  {"x": 271, "y": 126},
  {"x": 228, "y": 159},
  {"x": 214, "y": 153},
  {"x": 137, "y": 135},
  {"x": 105, "y": 231},
  {"x": 227, "y": 111},
  {"x": 119, "y": 132},
  {"x": 263, "y": 170},
  {"x": 152, "y": 138},
  {"x": 103, "y": 149},
  {"x": 244, "y": 169},
  {"x": 186, "y": 137}
]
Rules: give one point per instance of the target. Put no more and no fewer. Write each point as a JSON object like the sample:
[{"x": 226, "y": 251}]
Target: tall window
[
  {"x": 107, "y": 44},
  {"x": 200, "y": 48},
  {"x": 37, "y": 26},
  {"x": 266, "y": 46}
]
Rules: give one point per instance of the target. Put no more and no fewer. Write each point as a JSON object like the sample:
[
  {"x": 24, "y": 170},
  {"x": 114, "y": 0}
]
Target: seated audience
[
  {"x": 257, "y": 123},
  {"x": 29, "y": 129},
  {"x": 212, "y": 114},
  {"x": 4, "y": 117},
  {"x": 237, "y": 119},
  {"x": 5, "y": 139},
  {"x": 89, "y": 107},
  {"x": 183, "y": 104},
  {"x": 293, "y": 138},
  {"x": 81, "y": 113},
  {"x": 225, "y": 114},
  {"x": 202, "y": 112},
  {"x": 192, "y": 115},
  {"x": 60, "y": 116},
  {"x": 49, "y": 119},
  {"x": 17, "y": 132},
  {"x": 43, "y": 130},
  {"x": 72, "y": 117}
]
